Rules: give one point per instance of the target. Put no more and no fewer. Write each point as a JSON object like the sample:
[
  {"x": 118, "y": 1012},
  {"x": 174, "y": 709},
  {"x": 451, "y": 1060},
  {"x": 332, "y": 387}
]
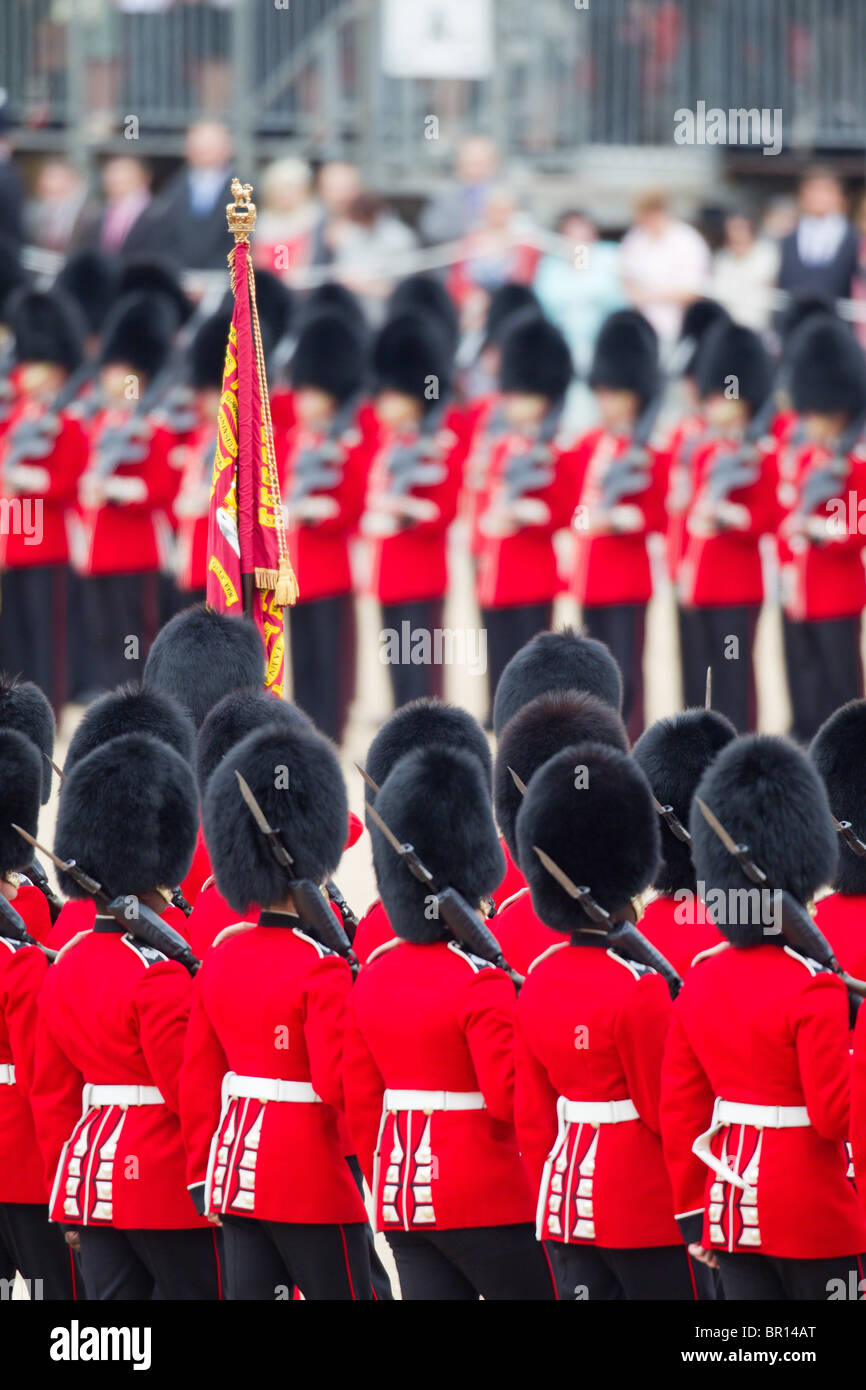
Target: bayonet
[
  {"x": 738, "y": 852},
  {"x": 518, "y": 782},
  {"x": 374, "y": 786},
  {"x": 850, "y": 836},
  {"x": 278, "y": 849},
  {"x": 708, "y": 694},
  {"x": 673, "y": 822}
]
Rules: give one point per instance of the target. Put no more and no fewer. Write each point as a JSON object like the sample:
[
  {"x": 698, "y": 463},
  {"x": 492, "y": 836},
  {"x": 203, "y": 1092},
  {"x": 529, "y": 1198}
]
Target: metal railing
[{"x": 308, "y": 73}]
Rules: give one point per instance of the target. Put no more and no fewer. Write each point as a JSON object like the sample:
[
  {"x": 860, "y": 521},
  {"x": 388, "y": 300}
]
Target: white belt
[
  {"x": 434, "y": 1100},
  {"x": 735, "y": 1112},
  {"x": 7, "y": 1074},
  {"x": 269, "y": 1088},
  {"x": 596, "y": 1112},
  {"x": 121, "y": 1095}
]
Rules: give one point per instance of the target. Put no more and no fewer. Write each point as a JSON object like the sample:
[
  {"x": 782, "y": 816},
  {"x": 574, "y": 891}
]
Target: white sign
[{"x": 437, "y": 38}]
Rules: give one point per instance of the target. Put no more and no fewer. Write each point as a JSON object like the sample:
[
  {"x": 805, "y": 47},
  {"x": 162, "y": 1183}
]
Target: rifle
[
  {"x": 737, "y": 469},
  {"x": 144, "y": 923},
  {"x": 32, "y": 440},
  {"x": 13, "y": 926},
  {"x": 38, "y": 876},
  {"x": 311, "y": 472},
  {"x": 313, "y": 909},
  {"x": 826, "y": 481},
  {"x": 630, "y": 473},
  {"x": 533, "y": 470}
]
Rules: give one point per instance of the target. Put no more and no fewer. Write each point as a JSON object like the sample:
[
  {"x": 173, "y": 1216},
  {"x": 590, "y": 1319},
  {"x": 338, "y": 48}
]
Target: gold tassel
[{"x": 282, "y": 581}]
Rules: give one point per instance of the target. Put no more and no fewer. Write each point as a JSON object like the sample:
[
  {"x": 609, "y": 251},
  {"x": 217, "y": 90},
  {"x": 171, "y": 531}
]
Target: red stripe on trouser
[{"x": 348, "y": 1268}]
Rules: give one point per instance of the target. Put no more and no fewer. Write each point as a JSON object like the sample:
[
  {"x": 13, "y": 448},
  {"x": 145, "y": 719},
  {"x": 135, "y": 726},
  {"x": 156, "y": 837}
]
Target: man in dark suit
[
  {"x": 191, "y": 212},
  {"x": 820, "y": 255},
  {"x": 125, "y": 225},
  {"x": 11, "y": 188}
]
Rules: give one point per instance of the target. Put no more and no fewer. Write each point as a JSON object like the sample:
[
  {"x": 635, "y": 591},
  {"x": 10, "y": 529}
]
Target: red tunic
[
  {"x": 521, "y": 568},
  {"x": 858, "y": 1104},
  {"x": 411, "y": 564},
  {"x": 112, "y": 1012},
  {"x": 194, "y": 459},
  {"x": 199, "y": 870},
  {"x": 50, "y": 481},
  {"x": 513, "y": 880},
  {"x": 79, "y": 914},
  {"x": 434, "y": 1018},
  {"x": 591, "y": 1027},
  {"x": 725, "y": 568},
  {"x": 826, "y": 577},
  {"x": 268, "y": 1002},
  {"x": 132, "y": 537},
  {"x": 678, "y": 941},
  {"x": 842, "y": 919},
  {"x": 614, "y": 568},
  {"x": 522, "y": 936},
  {"x": 681, "y": 446},
  {"x": 22, "y": 971},
  {"x": 763, "y": 1025}
]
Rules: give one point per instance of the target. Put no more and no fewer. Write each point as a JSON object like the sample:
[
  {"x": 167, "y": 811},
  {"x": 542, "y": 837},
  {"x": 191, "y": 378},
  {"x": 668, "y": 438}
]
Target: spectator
[
  {"x": 664, "y": 265},
  {"x": 11, "y": 191},
  {"x": 125, "y": 225},
  {"x": 339, "y": 186},
  {"x": 858, "y": 286},
  {"x": 744, "y": 273},
  {"x": 499, "y": 249},
  {"x": 53, "y": 213},
  {"x": 820, "y": 255},
  {"x": 287, "y": 215},
  {"x": 459, "y": 210},
  {"x": 192, "y": 211},
  {"x": 579, "y": 288},
  {"x": 370, "y": 244}
]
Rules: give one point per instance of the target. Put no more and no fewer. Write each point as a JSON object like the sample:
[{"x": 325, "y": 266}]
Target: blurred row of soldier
[
  {"x": 593, "y": 1040},
  {"x": 111, "y": 391}
]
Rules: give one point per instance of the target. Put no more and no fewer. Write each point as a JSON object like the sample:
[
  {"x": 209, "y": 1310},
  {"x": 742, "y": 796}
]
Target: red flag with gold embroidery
[{"x": 248, "y": 571}]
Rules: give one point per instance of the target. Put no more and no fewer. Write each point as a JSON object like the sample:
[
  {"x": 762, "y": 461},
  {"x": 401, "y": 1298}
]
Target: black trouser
[
  {"x": 509, "y": 629},
  {"x": 706, "y": 640},
  {"x": 657, "y": 1272},
  {"x": 822, "y": 656},
  {"x": 622, "y": 626},
  {"x": 756, "y": 1277},
  {"x": 120, "y": 620},
  {"x": 33, "y": 628},
  {"x": 412, "y": 680},
  {"x": 490, "y": 1262},
  {"x": 322, "y": 636},
  {"x": 36, "y": 1248},
  {"x": 382, "y": 1291},
  {"x": 266, "y": 1259},
  {"x": 150, "y": 1264}
]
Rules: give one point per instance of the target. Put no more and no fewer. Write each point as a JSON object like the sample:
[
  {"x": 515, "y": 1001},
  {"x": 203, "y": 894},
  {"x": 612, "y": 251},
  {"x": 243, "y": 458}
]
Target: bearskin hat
[
  {"x": 727, "y": 351},
  {"x": 839, "y": 753},
  {"x": 827, "y": 369},
  {"x": 698, "y": 318},
  {"x": 329, "y": 355},
  {"x": 20, "y": 792},
  {"x": 626, "y": 356},
  {"x": 13, "y": 276},
  {"x": 275, "y": 305},
  {"x": 47, "y": 327},
  {"x": 563, "y": 660},
  {"x": 506, "y": 303},
  {"x": 307, "y": 805},
  {"x": 420, "y": 724},
  {"x": 804, "y": 304},
  {"x": 237, "y": 714},
  {"x": 23, "y": 707},
  {"x": 128, "y": 816},
  {"x": 675, "y": 753},
  {"x": 538, "y": 731},
  {"x": 200, "y": 655},
  {"x": 334, "y": 298},
  {"x": 407, "y": 351},
  {"x": 91, "y": 278},
  {"x": 151, "y": 276},
  {"x": 132, "y": 710},
  {"x": 590, "y": 808},
  {"x": 207, "y": 352},
  {"x": 535, "y": 358},
  {"x": 426, "y": 297},
  {"x": 139, "y": 333},
  {"x": 438, "y": 800},
  {"x": 769, "y": 797}
]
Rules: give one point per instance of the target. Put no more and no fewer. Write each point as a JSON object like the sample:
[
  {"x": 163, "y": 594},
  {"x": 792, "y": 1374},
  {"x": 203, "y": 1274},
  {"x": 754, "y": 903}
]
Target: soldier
[
  {"x": 112, "y": 1019},
  {"x": 838, "y": 752},
  {"x": 260, "y": 1110},
  {"x": 528, "y": 494},
  {"x": 539, "y": 730},
  {"x": 413, "y": 486},
  {"x": 621, "y": 483},
  {"x": 428, "y": 1054},
  {"x": 591, "y": 1026},
  {"x": 674, "y": 754},
  {"x": 756, "y": 1073},
  {"x": 91, "y": 277},
  {"x": 28, "y": 1243},
  {"x": 323, "y": 476},
  {"x": 733, "y": 505},
  {"x": 823, "y": 583},
  {"x": 565, "y": 660},
  {"x": 126, "y": 492},
  {"x": 420, "y": 724},
  {"x": 44, "y": 453}
]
